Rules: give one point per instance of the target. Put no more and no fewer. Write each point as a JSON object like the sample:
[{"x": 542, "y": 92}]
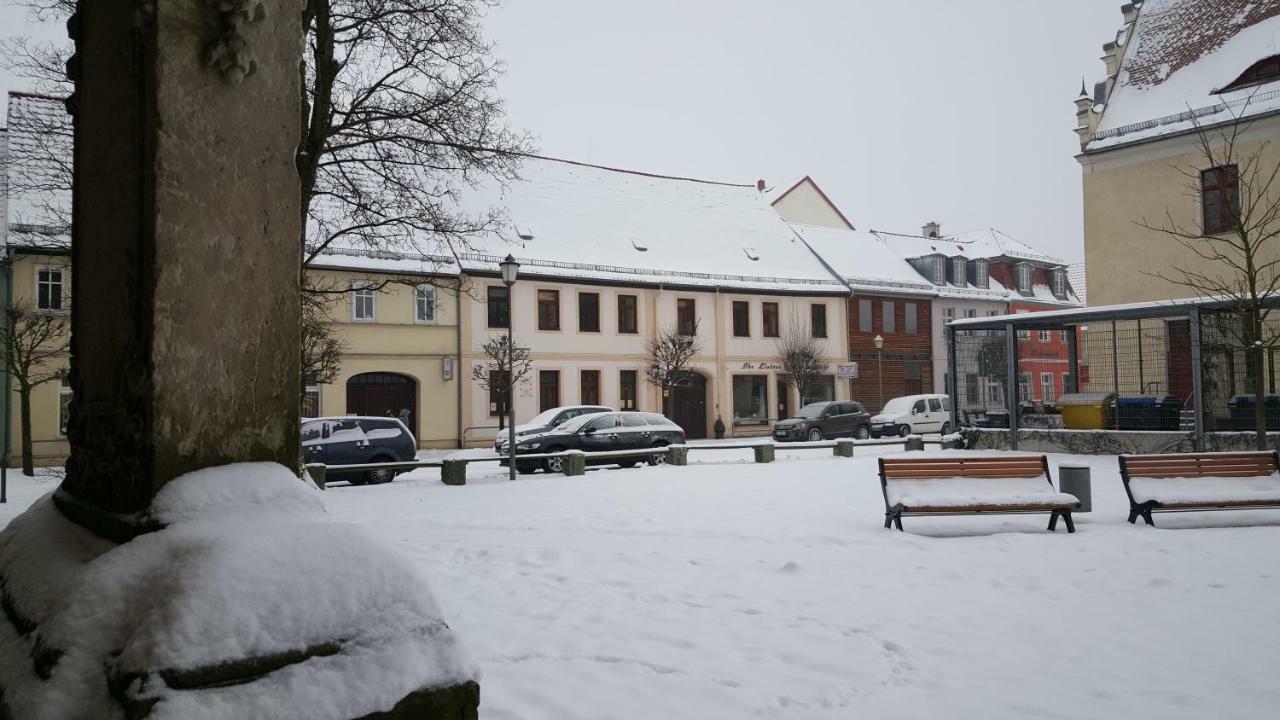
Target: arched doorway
[
  {"x": 382, "y": 394},
  {"x": 688, "y": 406}
]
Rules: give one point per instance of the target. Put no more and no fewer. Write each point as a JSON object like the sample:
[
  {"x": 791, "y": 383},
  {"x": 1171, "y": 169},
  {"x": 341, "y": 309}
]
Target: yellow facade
[{"x": 48, "y": 400}]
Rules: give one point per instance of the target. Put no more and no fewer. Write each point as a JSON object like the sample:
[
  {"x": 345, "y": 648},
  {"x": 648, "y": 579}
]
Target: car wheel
[
  {"x": 862, "y": 433},
  {"x": 627, "y": 464},
  {"x": 555, "y": 464},
  {"x": 357, "y": 479},
  {"x": 946, "y": 428},
  {"x": 658, "y": 459},
  {"x": 381, "y": 475},
  {"x": 904, "y": 430},
  {"x": 526, "y": 468},
  {"x": 815, "y": 435}
]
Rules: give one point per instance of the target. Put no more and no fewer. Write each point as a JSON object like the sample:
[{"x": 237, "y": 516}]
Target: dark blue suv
[{"x": 357, "y": 441}]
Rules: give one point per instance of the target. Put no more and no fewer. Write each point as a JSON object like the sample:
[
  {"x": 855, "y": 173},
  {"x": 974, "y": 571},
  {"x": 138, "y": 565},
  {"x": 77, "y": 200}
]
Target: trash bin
[
  {"x": 1073, "y": 479},
  {"x": 1146, "y": 412},
  {"x": 1242, "y": 415},
  {"x": 1086, "y": 411}
]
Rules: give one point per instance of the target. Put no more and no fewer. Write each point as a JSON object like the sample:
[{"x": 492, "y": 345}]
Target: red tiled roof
[{"x": 1176, "y": 33}]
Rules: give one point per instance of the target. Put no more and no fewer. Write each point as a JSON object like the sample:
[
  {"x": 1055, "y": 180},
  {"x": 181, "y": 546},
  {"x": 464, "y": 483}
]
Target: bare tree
[
  {"x": 667, "y": 364},
  {"x": 322, "y": 348},
  {"x": 506, "y": 365},
  {"x": 34, "y": 343},
  {"x": 1236, "y": 244},
  {"x": 801, "y": 356}
]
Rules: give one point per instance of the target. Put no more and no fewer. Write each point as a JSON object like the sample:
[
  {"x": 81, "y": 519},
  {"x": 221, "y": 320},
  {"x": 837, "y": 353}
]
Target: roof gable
[{"x": 804, "y": 202}]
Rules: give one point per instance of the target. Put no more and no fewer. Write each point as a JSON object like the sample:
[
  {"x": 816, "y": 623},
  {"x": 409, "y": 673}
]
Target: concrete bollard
[
  {"x": 914, "y": 442},
  {"x": 453, "y": 472},
  {"x": 575, "y": 463},
  {"x": 952, "y": 443},
  {"x": 764, "y": 453},
  {"x": 844, "y": 448},
  {"x": 677, "y": 454},
  {"x": 1074, "y": 479},
  {"x": 317, "y": 472}
]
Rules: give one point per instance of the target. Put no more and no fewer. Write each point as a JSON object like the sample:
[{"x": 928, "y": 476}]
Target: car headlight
[{"x": 529, "y": 446}]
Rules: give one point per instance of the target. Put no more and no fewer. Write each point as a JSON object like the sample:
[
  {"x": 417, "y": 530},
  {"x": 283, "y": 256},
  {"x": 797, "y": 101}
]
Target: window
[
  {"x": 886, "y": 316},
  {"x": 981, "y": 274},
  {"x": 627, "y": 386},
  {"x": 911, "y": 376},
  {"x": 50, "y": 289},
  {"x": 1043, "y": 336},
  {"x": 548, "y": 390},
  {"x": 1022, "y": 277},
  {"x": 864, "y": 315},
  {"x": 1059, "y": 280},
  {"x": 1024, "y": 387},
  {"x": 820, "y": 389},
  {"x": 588, "y": 312},
  {"x": 632, "y": 420},
  {"x": 1047, "y": 392},
  {"x": 935, "y": 405},
  {"x": 910, "y": 320},
  {"x": 959, "y": 271},
  {"x": 770, "y": 312},
  {"x": 590, "y": 394},
  {"x": 938, "y": 265},
  {"x": 499, "y": 302},
  {"x": 311, "y": 401},
  {"x": 1260, "y": 73},
  {"x": 363, "y": 304},
  {"x": 750, "y": 404},
  {"x": 628, "y": 319},
  {"x": 549, "y": 310},
  {"x": 686, "y": 316},
  {"x": 1219, "y": 198},
  {"x": 604, "y": 422},
  {"x": 948, "y": 314},
  {"x": 1065, "y": 337},
  {"x": 499, "y": 391},
  {"x": 424, "y": 304},
  {"x": 1066, "y": 383},
  {"x": 741, "y": 319},
  {"x": 64, "y": 404},
  {"x": 818, "y": 320}
]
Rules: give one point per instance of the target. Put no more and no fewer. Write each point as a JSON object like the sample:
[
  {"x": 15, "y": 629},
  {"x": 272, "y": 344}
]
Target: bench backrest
[
  {"x": 1241, "y": 464},
  {"x": 1000, "y": 466}
]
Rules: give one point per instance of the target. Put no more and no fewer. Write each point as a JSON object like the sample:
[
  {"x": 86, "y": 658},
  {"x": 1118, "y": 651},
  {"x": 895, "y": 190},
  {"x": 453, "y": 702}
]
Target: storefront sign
[
  {"x": 761, "y": 366},
  {"x": 847, "y": 371}
]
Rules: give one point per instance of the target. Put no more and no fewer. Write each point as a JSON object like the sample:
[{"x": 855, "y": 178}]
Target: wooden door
[
  {"x": 1179, "y": 354},
  {"x": 384, "y": 395},
  {"x": 689, "y": 406}
]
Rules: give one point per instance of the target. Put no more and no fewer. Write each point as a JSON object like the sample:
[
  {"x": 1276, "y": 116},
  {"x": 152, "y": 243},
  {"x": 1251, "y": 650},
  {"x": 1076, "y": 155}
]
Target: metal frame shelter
[{"x": 1181, "y": 349}]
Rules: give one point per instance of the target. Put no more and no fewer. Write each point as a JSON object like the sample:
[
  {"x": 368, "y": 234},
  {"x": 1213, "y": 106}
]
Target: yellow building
[{"x": 1140, "y": 132}]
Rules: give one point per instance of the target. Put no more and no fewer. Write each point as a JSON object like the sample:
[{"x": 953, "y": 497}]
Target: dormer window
[
  {"x": 1259, "y": 73},
  {"x": 1059, "y": 280},
  {"x": 938, "y": 269},
  {"x": 959, "y": 271},
  {"x": 1022, "y": 278},
  {"x": 981, "y": 276}
]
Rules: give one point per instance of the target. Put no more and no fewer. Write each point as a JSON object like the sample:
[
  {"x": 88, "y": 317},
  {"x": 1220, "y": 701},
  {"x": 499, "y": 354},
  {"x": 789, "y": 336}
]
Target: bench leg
[
  {"x": 893, "y": 517},
  {"x": 1133, "y": 515},
  {"x": 1143, "y": 510},
  {"x": 1066, "y": 518},
  {"x": 1053, "y": 521},
  {"x": 1146, "y": 515},
  {"x": 888, "y": 520}
]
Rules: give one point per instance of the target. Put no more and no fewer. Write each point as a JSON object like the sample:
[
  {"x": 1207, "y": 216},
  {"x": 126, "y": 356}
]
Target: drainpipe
[
  {"x": 8, "y": 384},
  {"x": 457, "y": 362}
]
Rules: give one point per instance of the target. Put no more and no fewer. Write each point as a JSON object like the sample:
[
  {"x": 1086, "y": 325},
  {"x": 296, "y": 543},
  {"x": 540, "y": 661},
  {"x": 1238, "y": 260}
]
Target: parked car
[
  {"x": 357, "y": 441},
  {"x": 548, "y": 420},
  {"x": 600, "y": 432},
  {"x": 823, "y": 420},
  {"x": 903, "y": 416}
]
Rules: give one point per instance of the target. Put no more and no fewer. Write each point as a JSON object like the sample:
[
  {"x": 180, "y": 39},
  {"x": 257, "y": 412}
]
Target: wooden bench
[
  {"x": 1193, "y": 482},
  {"x": 998, "y": 485}
]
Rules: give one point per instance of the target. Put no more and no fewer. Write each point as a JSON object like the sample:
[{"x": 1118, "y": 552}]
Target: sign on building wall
[{"x": 847, "y": 371}]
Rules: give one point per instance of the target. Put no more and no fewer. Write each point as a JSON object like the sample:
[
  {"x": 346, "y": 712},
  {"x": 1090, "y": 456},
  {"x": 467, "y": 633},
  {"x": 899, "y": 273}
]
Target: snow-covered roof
[
  {"x": 575, "y": 221},
  {"x": 863, "y": 260},
  {"x": 1076, "y": 276},
  {"x": 38, "y": 151},
  {"x": 984, "y": 243},
  {"x": 1179, "y": 54}
]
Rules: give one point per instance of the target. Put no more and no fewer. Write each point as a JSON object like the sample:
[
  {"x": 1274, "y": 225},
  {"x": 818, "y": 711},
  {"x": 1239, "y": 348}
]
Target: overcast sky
[{"x": 959, "y": 112}]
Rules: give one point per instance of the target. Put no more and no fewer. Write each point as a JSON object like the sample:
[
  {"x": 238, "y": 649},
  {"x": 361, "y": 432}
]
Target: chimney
[
  {"x": 760, "y": 185},
  {"x": 931, "y": 229}
]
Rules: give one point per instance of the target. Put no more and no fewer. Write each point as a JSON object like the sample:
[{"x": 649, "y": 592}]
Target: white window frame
[
  {"x": 357, "y": 291},
  {"x": 1047, "y": 391},
  {"x": 1026, "y": 392},
  {"x": 939, "y": 270},
  {"x": 1059, "y": 280},
  {"x": 960, "y": 268},
  {"x": 434, "y": 296},
  {"x": 313, "y": 389},
  {"x": 982, "y": 273},
  {"x": 1043, "y": 335},
  {"x": 64, "y": 304},
  {"x": 1022, "y": 277}
]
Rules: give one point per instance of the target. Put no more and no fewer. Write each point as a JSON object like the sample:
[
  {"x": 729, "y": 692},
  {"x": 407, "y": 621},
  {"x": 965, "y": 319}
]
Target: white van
[{"x": 913, "y": 414}]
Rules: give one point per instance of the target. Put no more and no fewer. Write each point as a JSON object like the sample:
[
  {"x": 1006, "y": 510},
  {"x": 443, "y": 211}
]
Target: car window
[
  {"x": 918, "y": 407},
  {"x": 858, "y": 409},
  {"x": 632, "y": 420},
  {"x": 935, "y": 405},
  {"x": 603, "y": 422},
  {"x": 346, "y": 431},
  {"x": 653, "y": 419},
  {"x": 847, "y": 408},
  {"x": 312, "y": 431}
]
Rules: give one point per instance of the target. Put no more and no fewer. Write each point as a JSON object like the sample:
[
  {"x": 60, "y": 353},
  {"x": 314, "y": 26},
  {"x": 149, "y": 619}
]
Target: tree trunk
[
  {"x": 24, "y": 402},
  {"x": 1260, "y": 397}
]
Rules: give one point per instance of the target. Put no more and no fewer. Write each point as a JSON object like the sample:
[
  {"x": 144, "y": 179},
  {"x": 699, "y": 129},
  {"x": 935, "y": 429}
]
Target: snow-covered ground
[{"x": 734, "y": 590}]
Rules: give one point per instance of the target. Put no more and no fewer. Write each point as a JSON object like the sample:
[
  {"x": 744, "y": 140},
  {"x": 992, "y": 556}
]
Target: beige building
[
  {"x": 1139, "y": 137},
  {"x": 609, "y": 259}
]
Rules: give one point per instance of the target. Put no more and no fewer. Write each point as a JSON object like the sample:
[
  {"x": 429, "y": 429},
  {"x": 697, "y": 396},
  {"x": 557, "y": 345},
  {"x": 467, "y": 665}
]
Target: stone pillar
[
  {"x": 763, "y": 453},
  {"x": 575, "y": 463},
  {"x": 453, "y": 472},
  {"x": 185, "y": 338},
  {"x": 843, "y": 448},
  {"x": 913, "y": 442},
  {"x": 678, "y": 455}
]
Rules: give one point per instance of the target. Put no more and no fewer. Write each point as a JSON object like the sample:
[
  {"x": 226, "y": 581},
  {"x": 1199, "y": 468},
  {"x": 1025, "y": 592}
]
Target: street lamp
[
  {"x": 879, "y": 341},
  {"x": 510, "y": 269}
]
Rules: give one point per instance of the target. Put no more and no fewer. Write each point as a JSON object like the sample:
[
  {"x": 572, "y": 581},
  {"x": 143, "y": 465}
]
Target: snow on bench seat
[
  {"x": 1199, "y": 491},
  {"x": 1200, "y": 481},
  {"x": 970, "y": 492}
]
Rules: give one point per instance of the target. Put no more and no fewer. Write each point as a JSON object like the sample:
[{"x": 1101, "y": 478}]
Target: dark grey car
[
  {"x": 602, "y": 432},
  {"x": 825, "y": 420},
  {"x": 357, "y": 441}
]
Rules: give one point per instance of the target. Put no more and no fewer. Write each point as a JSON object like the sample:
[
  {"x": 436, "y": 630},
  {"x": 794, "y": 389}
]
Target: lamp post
[
  {"x": 510, "y": 269},
  {"x": 879, "y": 341}
]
